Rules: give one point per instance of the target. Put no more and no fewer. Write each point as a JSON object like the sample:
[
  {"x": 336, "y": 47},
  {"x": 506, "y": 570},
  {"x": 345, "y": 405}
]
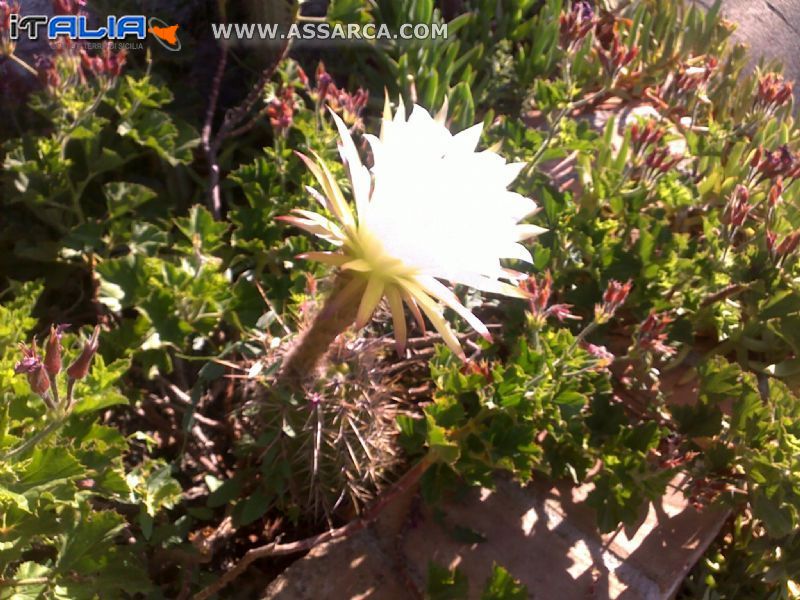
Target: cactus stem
[{"x": 336, "y": 316}]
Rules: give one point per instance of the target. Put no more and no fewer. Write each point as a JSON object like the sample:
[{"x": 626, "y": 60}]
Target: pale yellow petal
[
  {"x": 357, "y": 264},
  {"x": 398, "y": 318},
  {"x": 429, "y": 307},
  {"x": 414, "y": 308},
  {"x": 466, "y": 141},
  {"x": 369, "y": 301},
  {"x": 334, "y": 192},
  {"x": 311, "y": 227},
  {"x": 320, "y": 220},
  {"x": 336, "y": 202},
  {"x": 319, "y": 198},
  {"x": 519, "y": 252},
  {"x": 400, "y": 115},
  {"x": 329, "y": 258}
]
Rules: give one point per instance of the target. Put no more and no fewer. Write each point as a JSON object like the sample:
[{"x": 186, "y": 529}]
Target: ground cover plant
[{"x": 244, "y": 307}]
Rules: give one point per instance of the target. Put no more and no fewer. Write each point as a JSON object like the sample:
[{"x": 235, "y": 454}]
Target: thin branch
[
  {"x": 212, "y": 149},
  {"x": 230, "y": 124},
  {"x": 723, "y": 294},
  {"x": 402, "y": 485},
  {"x": 23, "y": 64},
  {"x": 235, "y": 116},
  {"x": 24, "y": 582},
  {"x": 34, "y": 440}
]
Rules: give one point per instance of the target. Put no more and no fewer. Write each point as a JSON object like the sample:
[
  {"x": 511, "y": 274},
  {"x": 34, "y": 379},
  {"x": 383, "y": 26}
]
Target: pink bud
[
  {"x": 80, "y": 368},
  {"x": 31, "y": 367},
  {"x": 52, "y": 354},
  {"x": 788, "y": 245}
]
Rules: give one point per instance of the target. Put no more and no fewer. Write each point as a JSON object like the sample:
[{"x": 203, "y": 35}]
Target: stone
[
  {"x": 771, "y": 28},
  {"x": 543, "y": 534}
]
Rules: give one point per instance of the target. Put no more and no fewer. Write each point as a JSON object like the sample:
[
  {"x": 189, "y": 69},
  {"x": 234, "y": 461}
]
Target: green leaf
[
  {"x": 88, "y": 538},
  {"x": 440, "y": 446},
  {"x": 201, "y": 228},
  {"x": 444, "y": 584},
  {"x": 701, "y": 420},
  {"x": 122, "y": 197},
  {"x": 780, "y": 305},
  {"x": 777, "y": 518},
  {"x": 225, "y": 493},
  {"x": 48, "y": 467},
  {"x": 161, "y": 490},
  {"x": 253, "y": 508},
  {"x": 467, "y": 535},
  {"x": 7, "y": 497},
  {"x": 29, "y": 571},
  {"x": 502, "y": 586}
]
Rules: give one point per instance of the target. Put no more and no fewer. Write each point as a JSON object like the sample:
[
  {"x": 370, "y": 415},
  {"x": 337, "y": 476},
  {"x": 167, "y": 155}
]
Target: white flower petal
[
  {"x": 526, "y": 231},
  {"x": 519, "y": 252},
  {"x": 467, "y": 140},
  {"x": 430, "y": 210},
  {"x": 436, "y": 289}
]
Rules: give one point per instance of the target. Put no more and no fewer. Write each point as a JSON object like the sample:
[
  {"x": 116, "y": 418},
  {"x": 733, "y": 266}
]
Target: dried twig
[
  {"x": 723, "y": 294},
  {"x": 232, "y": 124},
  {"x": 210, "y": 147}
]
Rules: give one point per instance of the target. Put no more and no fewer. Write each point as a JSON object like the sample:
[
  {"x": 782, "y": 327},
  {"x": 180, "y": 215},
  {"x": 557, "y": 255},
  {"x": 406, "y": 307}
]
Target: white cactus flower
[{"x": 431, "y": 209}]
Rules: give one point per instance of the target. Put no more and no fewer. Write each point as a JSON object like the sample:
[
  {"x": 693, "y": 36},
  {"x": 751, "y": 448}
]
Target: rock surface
[
  {"x": 770, "y": 27},
  {"x": 544, "y": 535}
]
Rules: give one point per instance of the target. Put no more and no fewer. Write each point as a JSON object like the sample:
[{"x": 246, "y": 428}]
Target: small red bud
[
  {"x": 52, "y": 354},
  {"x": 771, "y": 241},
  {"x": 756, "y": 160},
  {"x": 301, "y": 75},
  {"x": 80, "y": 368}
]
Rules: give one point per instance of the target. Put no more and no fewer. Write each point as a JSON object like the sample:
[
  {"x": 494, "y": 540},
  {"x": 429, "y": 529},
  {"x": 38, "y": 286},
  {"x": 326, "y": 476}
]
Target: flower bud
[
  {"x": 615, "y": 296},
  {"x": 80, "y": 368},
  {"x": 776, "y": 191},
  {"x": 481, "y": 368},
  {"x": 756, "y": 160},
  {"x": 7, "y": 8},
  {"x": 325, "y": 84},
  {"x": 601, "y": 353},
  {"x": 301, "y": 75},
  {"x": 562, "y": 312},
  {"x": 652, "y": 334},
  {"x": 788, "y": 245},
  {"x": 281, "y": 111},
  {"x": 773, "y": 92},
  {"x": 738, "y": 207},
  {"x": 31, "y": 367},
  {"x": 538, "y": 296},
  {"x": 68, "y": 7},
  {"x": 771, "y": 237},
  {"x": 52, "y": 352}
]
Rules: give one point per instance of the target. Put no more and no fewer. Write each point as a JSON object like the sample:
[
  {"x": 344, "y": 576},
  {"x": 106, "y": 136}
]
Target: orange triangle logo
[{"x": 168, "y": 34}]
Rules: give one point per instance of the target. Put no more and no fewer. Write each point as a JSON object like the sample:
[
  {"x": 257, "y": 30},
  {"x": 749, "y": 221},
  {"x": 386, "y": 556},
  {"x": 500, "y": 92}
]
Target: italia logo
[
  {"x": 76, "y": 27},
  {"x": 166, "y": 35}
]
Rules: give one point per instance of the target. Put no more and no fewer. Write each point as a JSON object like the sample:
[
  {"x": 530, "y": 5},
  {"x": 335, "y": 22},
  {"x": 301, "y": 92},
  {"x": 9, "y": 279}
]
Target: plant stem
[
  {"x": 32, "y": 441},
  {"x": 336, "y": 316},
  {"x": 24, "y": 65},
  {"x": 24, "y": 582}
]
